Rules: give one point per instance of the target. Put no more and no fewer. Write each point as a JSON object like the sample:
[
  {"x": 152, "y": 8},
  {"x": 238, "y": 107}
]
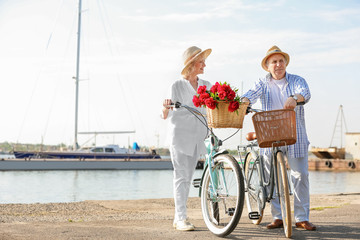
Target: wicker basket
[
  {"x": 220, "y": 117},
  {"x": 275, "y": 126}
]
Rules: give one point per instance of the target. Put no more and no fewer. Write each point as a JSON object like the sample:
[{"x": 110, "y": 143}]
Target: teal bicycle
[{"x": 221, "y": 186}]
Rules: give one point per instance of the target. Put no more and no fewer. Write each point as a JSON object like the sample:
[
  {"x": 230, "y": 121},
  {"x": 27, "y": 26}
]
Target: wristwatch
[{"x": 294, "y": 97}]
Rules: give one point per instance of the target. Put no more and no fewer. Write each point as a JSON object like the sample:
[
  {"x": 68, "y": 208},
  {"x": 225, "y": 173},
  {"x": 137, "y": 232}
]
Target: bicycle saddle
[{"x": 251, "y": 136}]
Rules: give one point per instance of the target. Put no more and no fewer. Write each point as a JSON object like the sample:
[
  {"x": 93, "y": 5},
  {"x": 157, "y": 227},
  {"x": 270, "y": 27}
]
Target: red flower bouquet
[
  {"x": 217, "y": 93},
  {"x": 221, "y": 101}
]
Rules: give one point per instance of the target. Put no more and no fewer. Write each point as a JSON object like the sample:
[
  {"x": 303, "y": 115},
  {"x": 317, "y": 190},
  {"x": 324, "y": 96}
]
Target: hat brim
[
  {"x": 263, "y": 63},
  {"x": 204, "y": 54}
]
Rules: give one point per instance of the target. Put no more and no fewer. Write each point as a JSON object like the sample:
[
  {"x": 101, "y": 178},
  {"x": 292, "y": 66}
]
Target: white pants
[
  {"x": 300, "y": 179},
  {"x": 184, "y": 167}
]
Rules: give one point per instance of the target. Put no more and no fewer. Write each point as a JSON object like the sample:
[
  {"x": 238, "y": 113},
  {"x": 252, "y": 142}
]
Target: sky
[{"x": 131, "y": 52}]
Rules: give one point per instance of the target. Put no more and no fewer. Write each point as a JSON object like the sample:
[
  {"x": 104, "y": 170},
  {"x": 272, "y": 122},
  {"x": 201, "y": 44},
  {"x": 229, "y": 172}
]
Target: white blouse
[{"x": 186, "y": 131}]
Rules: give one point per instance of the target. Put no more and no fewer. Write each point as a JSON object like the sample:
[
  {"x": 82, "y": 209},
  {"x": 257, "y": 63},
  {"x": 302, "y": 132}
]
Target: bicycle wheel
[
  {"x": 283, "y": 191},
  {"x": 222, "y": 195},
  {"x": 255, "y": 199}
]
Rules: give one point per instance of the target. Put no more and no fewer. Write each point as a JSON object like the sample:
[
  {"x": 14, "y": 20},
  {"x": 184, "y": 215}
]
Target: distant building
[{"x": 352, "y": 148}]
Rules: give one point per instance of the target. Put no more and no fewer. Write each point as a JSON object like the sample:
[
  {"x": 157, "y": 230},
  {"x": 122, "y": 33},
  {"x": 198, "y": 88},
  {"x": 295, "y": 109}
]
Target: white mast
[
  {"x": 341, "y": 121},
  {"x": 76, "y": 146}
]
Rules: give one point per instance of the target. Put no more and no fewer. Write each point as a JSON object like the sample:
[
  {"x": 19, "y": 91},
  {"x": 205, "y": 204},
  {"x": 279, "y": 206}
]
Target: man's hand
[
  {"x": 245, "y": 99},
  {"x": 290, "y": 103}
]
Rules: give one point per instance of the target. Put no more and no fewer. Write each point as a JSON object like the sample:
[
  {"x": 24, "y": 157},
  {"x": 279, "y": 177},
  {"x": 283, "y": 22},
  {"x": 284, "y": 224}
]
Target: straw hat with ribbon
[
  {"x": 191, "y": 55},
  {"x": 274, "y": 50}
]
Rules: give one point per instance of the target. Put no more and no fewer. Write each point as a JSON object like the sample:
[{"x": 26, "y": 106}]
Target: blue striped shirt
[{"x": 295, "y": 85}]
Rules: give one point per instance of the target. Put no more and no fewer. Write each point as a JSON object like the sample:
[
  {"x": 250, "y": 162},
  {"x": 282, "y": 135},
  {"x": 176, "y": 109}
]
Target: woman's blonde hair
[
  {"x": 191, "y": 55},
  {"x": 190, "y": 69}
]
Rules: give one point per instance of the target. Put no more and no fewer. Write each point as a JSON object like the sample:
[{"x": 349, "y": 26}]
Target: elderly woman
[{"x": 187, "y": 132}]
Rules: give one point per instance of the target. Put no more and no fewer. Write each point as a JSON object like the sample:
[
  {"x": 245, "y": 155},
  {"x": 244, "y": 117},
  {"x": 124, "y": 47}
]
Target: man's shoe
[
  {"x": 183, "y": 225},
  {"x": 306, "y": 225},
  {"x": 277, "y": 223}
]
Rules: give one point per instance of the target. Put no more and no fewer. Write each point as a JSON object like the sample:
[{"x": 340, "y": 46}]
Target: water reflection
[
  {"x": 334, "y": 182},
  {"x": 70, "y": 186}
]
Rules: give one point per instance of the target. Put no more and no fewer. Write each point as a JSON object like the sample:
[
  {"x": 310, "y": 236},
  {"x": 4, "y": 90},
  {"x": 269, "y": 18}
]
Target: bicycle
[
  {"x": 273, "y": 129},
  {"x": 221, "y": 186}
]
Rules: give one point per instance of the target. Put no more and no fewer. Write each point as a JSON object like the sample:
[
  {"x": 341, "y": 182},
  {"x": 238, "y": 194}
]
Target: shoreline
[
  {"x": 152, "y": 219},
  {"x": 16, "y": 164}
]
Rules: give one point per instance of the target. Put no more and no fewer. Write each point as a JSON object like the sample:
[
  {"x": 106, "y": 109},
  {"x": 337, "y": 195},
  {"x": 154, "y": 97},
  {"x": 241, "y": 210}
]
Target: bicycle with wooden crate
[{"x": 274, "y": 129}]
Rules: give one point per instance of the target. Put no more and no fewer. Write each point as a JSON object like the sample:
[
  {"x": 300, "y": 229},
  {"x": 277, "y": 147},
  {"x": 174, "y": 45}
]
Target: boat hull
[{"x": 83, "y": 155}]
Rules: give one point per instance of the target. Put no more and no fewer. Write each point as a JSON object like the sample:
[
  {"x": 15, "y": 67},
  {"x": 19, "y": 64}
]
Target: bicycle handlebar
[
  {"x": 249, "y": 109},
  {"x": 193, "y": 111},
  {"x": 175, "y": 105}
]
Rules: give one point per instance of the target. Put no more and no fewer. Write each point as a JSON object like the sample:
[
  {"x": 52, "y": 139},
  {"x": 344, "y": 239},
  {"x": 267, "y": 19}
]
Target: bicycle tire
[
  {"x": 283, "y": 192},
  {"x": 255, "y": 199},
  {"x": 223, "y": 207}
]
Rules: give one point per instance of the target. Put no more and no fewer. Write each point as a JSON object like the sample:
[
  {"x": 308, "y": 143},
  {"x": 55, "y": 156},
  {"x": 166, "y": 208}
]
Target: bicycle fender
[{"x": 224, "y": 151}]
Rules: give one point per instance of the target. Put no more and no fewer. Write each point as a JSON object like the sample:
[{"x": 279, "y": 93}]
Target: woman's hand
[
  {"x": 166, "y": 108},
  {"x": 166, "y": 103}
]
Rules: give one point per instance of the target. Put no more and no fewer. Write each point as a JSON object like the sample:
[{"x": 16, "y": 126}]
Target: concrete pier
[{"x": 336, "y": 216}]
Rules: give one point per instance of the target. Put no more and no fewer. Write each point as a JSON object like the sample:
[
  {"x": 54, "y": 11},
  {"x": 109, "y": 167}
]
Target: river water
[{"x": 73, "y": 186}]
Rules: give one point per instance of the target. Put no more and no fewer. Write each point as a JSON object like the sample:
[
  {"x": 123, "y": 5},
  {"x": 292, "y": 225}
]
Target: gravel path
[{"x": 336, "y": 216}]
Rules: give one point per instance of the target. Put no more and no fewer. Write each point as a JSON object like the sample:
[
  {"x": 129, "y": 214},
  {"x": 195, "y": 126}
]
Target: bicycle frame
[
  {"x": 212, "y": 144},
  {"x": 271, "y": 180}
]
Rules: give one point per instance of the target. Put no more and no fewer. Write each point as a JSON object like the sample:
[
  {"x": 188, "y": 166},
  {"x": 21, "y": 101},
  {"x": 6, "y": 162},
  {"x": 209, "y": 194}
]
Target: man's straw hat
[
  {"x": 192, "y": 54},
  {"x": 274, "y": 50}
]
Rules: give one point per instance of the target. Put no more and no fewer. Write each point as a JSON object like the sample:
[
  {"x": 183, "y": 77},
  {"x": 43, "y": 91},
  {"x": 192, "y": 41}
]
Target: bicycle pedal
[
  {"x": 196, "y": 182},
  {"x": 231, "y": 211},
  {"x": 254, "y": 215}
]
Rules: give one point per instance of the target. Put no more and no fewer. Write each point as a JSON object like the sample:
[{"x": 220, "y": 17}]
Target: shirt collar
[{"x": 268, "y": 77}]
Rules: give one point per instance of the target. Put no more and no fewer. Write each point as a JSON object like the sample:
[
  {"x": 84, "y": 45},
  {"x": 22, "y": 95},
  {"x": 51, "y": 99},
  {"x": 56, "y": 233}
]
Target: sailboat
[
  {"x": 103, "y": 152},
  {"x": 100, "y": 152}
]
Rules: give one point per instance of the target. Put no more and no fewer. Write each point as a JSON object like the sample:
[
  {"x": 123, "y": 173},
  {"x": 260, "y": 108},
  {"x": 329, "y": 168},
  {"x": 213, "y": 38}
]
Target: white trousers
[
  {"x": 184, "y": 168},
  {"x": 300, "y": 180}
]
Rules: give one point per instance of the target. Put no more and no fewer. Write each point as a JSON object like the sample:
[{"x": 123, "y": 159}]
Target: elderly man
[{"x": 278, "y": 90}]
